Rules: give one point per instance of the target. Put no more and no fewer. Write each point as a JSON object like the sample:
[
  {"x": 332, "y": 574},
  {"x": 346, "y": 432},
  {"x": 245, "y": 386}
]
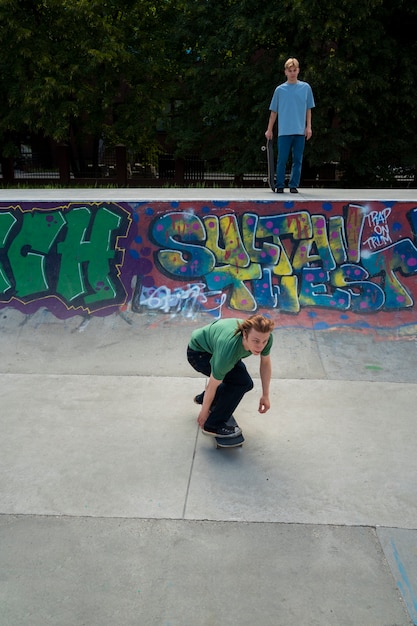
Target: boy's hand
[
  {"x": 202, "y": 418},
  {"x": 264, "y": 404}
]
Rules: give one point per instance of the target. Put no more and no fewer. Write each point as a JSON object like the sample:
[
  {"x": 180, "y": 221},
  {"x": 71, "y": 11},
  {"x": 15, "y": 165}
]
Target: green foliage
[
  {"x": 78, "y": 67},
  {"x": 228, "y": 72},
  {"x": 207, "y": 69}
]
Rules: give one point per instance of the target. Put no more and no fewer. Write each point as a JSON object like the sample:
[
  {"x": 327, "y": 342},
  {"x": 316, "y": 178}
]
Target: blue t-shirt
[{"x": 291, "y": 101}]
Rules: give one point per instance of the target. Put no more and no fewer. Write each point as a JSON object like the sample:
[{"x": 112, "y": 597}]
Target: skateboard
[
  {"x": 230, "y": 442},
  {"x": 269, "y": 149}
]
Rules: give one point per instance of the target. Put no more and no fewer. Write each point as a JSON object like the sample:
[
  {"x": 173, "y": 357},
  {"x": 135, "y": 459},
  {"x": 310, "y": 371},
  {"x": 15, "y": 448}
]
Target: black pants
[{"x": 229, "y": 393}]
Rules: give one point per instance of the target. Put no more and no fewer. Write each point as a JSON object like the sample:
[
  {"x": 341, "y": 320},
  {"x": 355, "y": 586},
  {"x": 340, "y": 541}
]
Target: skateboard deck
[
  {"x": 269, "y": 148},
  {"x": 230, "y": 442}
]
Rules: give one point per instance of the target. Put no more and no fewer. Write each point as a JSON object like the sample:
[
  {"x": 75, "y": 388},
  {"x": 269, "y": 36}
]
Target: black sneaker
[
  {"x": 223, "y": 431},
  {"x": 279, "y": 190},
  {"x": 293, "y": 190},
  {"x": 199, "y": 398}
]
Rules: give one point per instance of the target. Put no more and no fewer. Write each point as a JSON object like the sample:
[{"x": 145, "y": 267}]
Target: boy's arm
[
  {"x": 308, "y": 130},
  {"x": 269, "y": 133},
  {"x": 209, "y": 394},
  {"x": 265, "y": 371}
]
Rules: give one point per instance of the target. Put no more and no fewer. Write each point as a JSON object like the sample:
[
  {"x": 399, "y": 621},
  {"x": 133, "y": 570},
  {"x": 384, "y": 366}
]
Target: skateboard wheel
[
  {"x": 263, "y": 148},
  {"x": 264, "y": 180}
]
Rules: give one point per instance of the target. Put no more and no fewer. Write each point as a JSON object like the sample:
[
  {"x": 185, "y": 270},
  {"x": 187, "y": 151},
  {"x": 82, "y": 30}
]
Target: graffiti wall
[{"x": 313, "y": 264}]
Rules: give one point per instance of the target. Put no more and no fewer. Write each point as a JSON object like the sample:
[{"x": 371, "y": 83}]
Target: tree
[
  {"x": 73, "y": 68},
  {"x": 227, "y": 72}
]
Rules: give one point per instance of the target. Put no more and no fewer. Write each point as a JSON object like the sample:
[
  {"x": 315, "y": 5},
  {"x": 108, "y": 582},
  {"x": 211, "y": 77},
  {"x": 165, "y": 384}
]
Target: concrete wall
[{"x": 308, "y": 263}]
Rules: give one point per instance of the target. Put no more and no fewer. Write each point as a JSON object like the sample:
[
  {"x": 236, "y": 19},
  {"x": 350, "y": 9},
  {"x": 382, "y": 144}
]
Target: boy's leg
[
  {"x": 297, "y": 160},
  {"x": 284, "y": 146},
  {"x": 200, "y": 361},
  {"x": 229, "y": 393}
]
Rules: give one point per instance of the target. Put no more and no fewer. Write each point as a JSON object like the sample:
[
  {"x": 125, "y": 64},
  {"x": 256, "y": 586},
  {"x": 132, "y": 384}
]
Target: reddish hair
[{"x": 258, "y": 322}]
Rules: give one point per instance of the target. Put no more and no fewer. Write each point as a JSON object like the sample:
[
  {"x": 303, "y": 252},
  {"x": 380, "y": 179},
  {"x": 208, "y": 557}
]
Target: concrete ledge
[{"x": 179, "y": 194}]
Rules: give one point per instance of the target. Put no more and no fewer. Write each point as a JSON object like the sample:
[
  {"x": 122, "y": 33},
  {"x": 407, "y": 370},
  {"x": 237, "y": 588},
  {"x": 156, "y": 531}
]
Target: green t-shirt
[{"x": 226, "y": 348}]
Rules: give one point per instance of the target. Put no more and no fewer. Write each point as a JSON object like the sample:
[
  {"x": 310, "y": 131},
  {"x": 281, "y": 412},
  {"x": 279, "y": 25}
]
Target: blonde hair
[
  {"x": 258, "y": 322},
  {"x": 291, "y": 62}
]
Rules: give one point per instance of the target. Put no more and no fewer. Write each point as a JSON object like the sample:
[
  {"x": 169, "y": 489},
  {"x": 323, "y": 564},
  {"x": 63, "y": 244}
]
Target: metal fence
[
  {"x": 192, "y": 169},
  {"x": 116, "y": 166},
  {"x": 120, "y": 167}
]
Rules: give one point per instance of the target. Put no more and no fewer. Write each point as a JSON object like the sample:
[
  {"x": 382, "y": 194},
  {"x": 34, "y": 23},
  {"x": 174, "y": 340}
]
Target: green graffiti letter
[
  {"x": 87, "y": 261},
  {"x": 27, "y": 252},
  {"x": 7, "y": 221}
]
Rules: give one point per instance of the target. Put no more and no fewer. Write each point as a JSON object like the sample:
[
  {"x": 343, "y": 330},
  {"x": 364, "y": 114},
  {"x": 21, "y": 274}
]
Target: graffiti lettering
[
  {"x": 291, "y": 260},
  {"x": 377, "y": 220},
  {"x": 69, "y": 254},
  {"x": 320, "y": 263},
  {"x": 186, "y": 301}
]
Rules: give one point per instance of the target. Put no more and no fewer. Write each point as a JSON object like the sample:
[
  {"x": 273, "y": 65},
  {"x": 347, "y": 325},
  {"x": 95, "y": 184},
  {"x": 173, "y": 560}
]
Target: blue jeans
[
  {"x": 295, "y": 145},
  {"x": 229, "y": 393}
]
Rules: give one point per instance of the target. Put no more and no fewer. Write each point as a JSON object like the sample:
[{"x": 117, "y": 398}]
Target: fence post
[
  {"x": 121, "y": 165},
  {"x": 64, "y": 164}
]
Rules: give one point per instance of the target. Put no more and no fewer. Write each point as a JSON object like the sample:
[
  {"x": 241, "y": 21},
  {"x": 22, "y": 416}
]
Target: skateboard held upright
[{"x": 269, "y": 148}]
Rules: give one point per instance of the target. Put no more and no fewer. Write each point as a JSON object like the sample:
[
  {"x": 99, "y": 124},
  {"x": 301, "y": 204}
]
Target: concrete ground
[{"x": 116, "y": 511}]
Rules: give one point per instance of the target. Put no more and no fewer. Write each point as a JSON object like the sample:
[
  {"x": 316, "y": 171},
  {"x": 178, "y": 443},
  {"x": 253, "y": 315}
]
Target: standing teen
[{"x": 291, "y": 104}]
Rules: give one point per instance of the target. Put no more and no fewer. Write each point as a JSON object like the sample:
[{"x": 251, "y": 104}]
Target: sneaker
[
  {"x": 199, "y": 398},
  {"x": 223, "y": 431},
  {"x": 293, "y": 190},
  {"x": 279, "y": 190}
]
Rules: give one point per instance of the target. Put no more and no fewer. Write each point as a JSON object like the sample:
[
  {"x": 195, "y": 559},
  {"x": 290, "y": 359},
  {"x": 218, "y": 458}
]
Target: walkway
[{"x": 116, "y": 511}]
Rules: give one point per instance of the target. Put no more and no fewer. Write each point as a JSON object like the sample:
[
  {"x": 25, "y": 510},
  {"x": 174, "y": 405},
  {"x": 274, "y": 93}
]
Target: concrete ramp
[{"x": 116, "y": 509}]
